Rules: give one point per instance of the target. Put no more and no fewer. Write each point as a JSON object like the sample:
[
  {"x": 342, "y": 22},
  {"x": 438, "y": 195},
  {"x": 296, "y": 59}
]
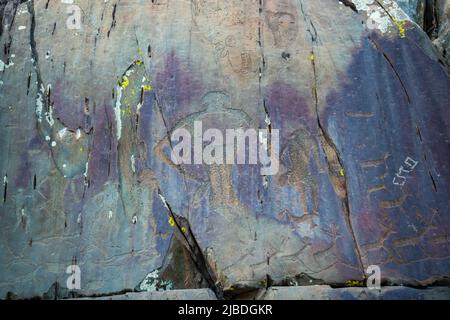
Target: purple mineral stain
[
  {"x": 288, "y": 109},
  {"x": 177, "y": 88},
  {"x": 69, "y": 111}
]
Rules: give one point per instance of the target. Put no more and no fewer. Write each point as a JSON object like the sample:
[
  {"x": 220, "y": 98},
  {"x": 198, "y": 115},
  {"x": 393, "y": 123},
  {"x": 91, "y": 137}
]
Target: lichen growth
[
  {"x": 401, "y": 27},
  {"x": 354, "y": 283},
  {"x": 147, "y": 87},
  {"x": 153, "y": 282},
  {"x": 125, "y": 82},
  {"x": 171, "y": 222},
  {"x": 117, "y": 113}
]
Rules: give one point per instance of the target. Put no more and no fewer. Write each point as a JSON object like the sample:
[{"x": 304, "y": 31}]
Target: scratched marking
[{"x": 399, "y": 179}]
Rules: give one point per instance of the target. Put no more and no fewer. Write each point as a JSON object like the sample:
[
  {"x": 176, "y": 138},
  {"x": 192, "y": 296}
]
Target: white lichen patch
[
  {"x": 4, "y": 66},
  {"x": 267, "y": 120},
  {"x": 265, "y": 182},
  {"x": 62, "y": 133},
  {"x": 86, "y": 171},
  {"x": 117, "y": 113},
  {"x": 133, "y": 163},
  {"x": 22, "y": 218},
  {"x": 383, "y": 15},
  {"x": 164, "y": 201},
  {"x": 49, "y": 116},
  {"x": 40, "y": 103},
  {"x": 129, "y": 72},
  {"x": 22, "y": 9},
  {"x": 363, "y": 4},
  {"x": 152, "y": 282},
  {"x": 263, "y": 139}
]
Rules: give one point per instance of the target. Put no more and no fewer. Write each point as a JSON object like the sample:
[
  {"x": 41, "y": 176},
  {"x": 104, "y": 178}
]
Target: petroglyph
[{"x": 302, "y": 151}]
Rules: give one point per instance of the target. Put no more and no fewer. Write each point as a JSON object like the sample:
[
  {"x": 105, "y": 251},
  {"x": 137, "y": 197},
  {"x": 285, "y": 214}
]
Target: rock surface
[
  {"x": 433, "y": 16},
  {"x": 328, "y": 293},
  {"x": 317, "y": 292},
  {"x": 193, "y": 294},
  {"x": 360, "y": 99}
]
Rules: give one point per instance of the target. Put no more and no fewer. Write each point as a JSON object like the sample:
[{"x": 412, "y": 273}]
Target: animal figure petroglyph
[
  {"x": 217, "y": 113},
  {"x": 299, "y": 148},
  {"x": 230, "y": 28}
]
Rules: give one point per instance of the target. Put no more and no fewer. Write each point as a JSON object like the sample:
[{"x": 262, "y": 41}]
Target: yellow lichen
[
  {"x": 311, "y": 56},
  {"x": 354, "y": 283},
  {"x": 183, "y": 229},
  {"x": 125, "y": 82},
  {"x": 342, "y": 172},
  {"x": 138, "y": 62},
  {"x": 172, "y": 222},
  {"x": 127, "y": 111},
  {"x": 401, "y": 27},
  {"x": 147, "y": 87}
]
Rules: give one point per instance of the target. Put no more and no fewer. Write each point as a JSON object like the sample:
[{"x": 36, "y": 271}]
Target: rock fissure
[{"x": 184, "y": 233}]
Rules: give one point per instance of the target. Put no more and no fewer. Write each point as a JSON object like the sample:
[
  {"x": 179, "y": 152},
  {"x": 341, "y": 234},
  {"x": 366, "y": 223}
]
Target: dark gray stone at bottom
[
  {"x": 316, "y": 292},
  {"x": 355, "y": 293}
]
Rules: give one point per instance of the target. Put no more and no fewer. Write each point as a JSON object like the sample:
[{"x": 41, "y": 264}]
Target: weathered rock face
[
  {"x": 359, "y": 98},
  {"x": 327, "y": 293},
  {"x": 193, "y": 294},
  {"x": 415, "y": 9},
  {"x": 433, "y": 17},
  {"x": 442, "y": 41}
]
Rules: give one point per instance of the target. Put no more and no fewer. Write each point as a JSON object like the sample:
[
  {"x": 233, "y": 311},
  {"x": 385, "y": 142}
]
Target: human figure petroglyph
[
  {"x": 282, "y": 22},
  {"x": 283, "y": 26}
]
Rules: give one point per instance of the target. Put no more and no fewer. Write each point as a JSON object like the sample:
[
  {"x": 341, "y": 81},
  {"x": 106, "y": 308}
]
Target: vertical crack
[
  {"x": 8, "y": 13},
  {"x": 5, "y": 187},
  {"x": 336, "y": 170},
  {"x": 350, "y": 4},
  {"x": 332, "y": 156},
  {"x": 431, "y": 19},
  {"x": 184, "y": 233},
  {"x": 40, "y": 85},
  {"x": 391, "y": 65}
]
